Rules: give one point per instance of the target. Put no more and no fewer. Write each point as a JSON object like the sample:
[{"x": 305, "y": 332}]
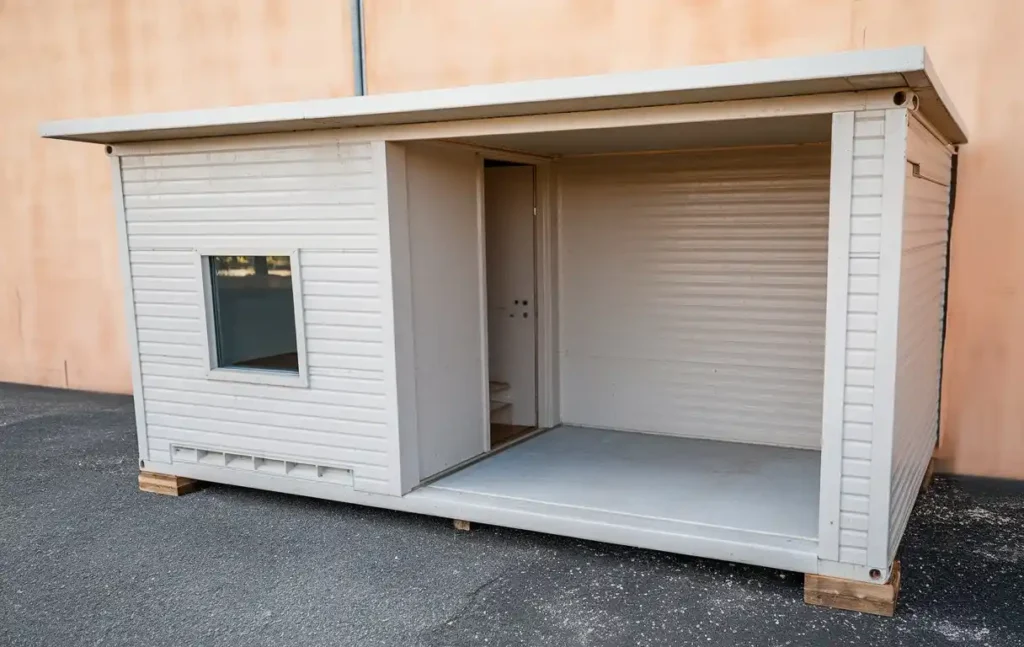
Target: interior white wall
[
  {"x": 692, "y": 293},
  {"x": 444, "y": 192}
]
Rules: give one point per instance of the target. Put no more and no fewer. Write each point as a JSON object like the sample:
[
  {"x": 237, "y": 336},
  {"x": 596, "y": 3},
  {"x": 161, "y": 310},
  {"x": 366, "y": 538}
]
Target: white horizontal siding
[
  {"x": 862, "y": 327},
  {"x": 318, "y": 199},
  {"x": 922, "y": 294},
  {"x": 693, "y": 290}
]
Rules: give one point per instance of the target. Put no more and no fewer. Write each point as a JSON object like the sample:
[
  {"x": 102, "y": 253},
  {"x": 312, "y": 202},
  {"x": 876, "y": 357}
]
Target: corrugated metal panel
[
  {"x": 862, "y": 326},
  {"x": 318, "y": 199},
  {"x": 922, "y": 292},
  {"x": 693, "y": 293}
]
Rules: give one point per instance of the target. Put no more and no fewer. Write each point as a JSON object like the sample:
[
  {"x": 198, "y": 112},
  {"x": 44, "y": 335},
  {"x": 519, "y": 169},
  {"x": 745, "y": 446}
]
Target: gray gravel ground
[{"x": 87, "y": 559}]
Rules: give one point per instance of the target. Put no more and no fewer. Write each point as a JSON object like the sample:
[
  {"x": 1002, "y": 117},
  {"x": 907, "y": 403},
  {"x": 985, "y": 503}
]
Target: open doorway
[
  {"x": 469, "y": 298},
  {"x": 509, "y": 222},
  {"x": 691, "y": 298}
]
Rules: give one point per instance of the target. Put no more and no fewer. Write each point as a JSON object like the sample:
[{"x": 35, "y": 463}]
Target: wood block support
[
  {"x": 166, "y": 484},
  {"x": 461, "y": 524},
  {"x": 865, "y": 597}
]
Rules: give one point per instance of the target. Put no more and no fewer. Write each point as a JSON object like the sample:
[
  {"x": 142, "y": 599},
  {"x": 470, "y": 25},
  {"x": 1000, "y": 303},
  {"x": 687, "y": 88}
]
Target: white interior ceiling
[{"x": 709, "y": 134}]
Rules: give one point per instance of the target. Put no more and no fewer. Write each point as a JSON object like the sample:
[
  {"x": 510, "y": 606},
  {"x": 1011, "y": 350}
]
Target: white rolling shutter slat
[{"x": 693, "y": 293}]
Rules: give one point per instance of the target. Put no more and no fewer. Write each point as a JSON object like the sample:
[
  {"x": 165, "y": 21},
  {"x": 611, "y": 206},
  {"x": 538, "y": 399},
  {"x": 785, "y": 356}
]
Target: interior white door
[
  {"x": 511, "y": 293},
  {"x": 446, "y": 263}
]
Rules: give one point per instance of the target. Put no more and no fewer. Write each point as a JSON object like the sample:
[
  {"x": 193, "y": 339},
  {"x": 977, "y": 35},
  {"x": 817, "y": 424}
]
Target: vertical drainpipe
[{"x": 358, "y": 48}]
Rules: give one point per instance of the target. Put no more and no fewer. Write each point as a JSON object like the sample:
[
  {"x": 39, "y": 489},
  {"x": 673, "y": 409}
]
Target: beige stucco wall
[
  {"x": 975, "y": 46},
  {"x": 60, "y": 295},
  {"x": 61, "y": 314}
]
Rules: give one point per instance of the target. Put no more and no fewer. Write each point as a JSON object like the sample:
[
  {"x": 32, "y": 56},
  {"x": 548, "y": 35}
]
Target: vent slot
[
  {"x": 237, "y": 461},
  {"x": 269, "y": 465},
  {"x": 300, "y": 470},
  {"x": 184, "y": 455},
  {"x": 262, "y": 465},
  {"x": 210, "y": 458},
  {"x": 335, "y": 475}
]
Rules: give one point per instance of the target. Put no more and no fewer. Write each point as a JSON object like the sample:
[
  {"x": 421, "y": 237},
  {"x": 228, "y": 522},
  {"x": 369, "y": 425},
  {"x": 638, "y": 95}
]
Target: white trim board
[
  {"x": 828, "y": 73},
  {"x": 482, "y": 315},
  {"x": 397, "y": 312},
  {"x": 834, "y": 389},
  {"x": 131, "y": 323},
  {"x": 890, "y": 273},
  {"x": 446, "y": 131},
  {"x": 546, "y": 277}
]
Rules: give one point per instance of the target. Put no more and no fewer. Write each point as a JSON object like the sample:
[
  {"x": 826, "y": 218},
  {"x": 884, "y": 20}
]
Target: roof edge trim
[{"x": 861, "y": 69}]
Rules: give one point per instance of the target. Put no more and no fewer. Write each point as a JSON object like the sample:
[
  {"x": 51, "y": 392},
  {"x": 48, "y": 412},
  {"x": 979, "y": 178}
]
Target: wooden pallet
[
  {"x": 166, "y": 484},
  {"x": 852, "y": 595}
]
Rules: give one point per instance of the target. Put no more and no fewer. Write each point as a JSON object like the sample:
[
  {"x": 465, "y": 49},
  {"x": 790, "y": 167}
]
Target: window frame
[{"x": 250, "y": 375}]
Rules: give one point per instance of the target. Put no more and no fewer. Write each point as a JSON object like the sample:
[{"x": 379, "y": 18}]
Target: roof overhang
[{"x": 829, "y": 73}]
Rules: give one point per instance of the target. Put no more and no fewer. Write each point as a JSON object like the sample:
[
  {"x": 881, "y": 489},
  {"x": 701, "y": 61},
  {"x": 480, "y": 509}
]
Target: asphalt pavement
[{"x": 88, "y": 559}]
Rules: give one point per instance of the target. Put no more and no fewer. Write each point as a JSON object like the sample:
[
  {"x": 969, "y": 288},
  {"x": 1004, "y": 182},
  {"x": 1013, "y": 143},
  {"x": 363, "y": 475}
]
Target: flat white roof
[{"x": 827, "y": 73}]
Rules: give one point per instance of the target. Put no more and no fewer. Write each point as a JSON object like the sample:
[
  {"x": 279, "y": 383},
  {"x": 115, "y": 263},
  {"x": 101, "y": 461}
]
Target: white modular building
[{"x": 696, "y": 310}]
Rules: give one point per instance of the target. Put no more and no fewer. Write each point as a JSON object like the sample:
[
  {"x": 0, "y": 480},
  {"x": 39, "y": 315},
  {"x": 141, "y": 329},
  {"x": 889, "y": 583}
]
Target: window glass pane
[{"x": 253, "y": 312}]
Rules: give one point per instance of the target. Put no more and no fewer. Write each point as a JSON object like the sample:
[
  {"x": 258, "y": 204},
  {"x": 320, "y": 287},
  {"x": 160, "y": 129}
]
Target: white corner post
[
  {"x": 836, "y": 302},
  {"x": 396, "y": 307},
  {"x": 131, "y": 325},
  {"x": 862, "y": 302},
  {"x": 890, "y": 272}
]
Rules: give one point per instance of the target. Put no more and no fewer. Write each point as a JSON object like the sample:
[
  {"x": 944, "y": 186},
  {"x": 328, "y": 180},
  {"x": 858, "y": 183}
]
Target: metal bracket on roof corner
[{"x": 915, "y": 170}]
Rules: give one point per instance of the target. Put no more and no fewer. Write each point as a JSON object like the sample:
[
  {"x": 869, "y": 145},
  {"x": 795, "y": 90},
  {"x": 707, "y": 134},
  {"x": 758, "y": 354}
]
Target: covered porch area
[{"x": 735, "y": 501}]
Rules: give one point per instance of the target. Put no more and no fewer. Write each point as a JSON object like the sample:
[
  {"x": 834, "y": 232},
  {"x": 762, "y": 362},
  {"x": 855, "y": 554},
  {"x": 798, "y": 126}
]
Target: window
[{"x": 254, "y": 318}]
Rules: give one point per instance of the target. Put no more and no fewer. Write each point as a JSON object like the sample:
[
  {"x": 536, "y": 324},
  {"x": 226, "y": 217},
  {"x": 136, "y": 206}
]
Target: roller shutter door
[{"x": 692, "y": 291}]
